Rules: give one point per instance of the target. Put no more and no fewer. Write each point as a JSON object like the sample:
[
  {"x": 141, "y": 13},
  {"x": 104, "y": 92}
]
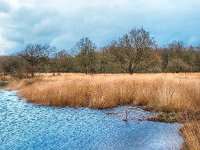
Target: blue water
[{"x": 25, "y": 126}]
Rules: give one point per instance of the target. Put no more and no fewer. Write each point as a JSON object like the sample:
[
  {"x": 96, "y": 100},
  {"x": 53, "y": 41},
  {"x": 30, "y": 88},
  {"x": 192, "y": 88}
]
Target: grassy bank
[
  {"x": 177, "y": 93},
  {"x": 161, "y": 91}
]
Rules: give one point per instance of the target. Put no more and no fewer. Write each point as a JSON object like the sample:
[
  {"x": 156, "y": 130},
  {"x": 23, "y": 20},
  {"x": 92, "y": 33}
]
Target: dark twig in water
[{"x": 126, "y": 119}]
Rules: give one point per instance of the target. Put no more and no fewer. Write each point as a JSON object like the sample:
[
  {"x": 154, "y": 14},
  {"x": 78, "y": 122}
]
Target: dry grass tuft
[
  {"x": 191, "y": 134},
  {"x": 5, "y": 78}
]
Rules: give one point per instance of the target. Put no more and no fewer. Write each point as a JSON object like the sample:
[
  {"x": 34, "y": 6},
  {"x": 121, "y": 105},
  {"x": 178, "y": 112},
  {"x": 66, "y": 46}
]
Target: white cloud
[{"x": 62, "y": 23}]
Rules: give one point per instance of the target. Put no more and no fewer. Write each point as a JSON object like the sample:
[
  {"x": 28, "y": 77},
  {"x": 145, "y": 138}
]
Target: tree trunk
[
  {"x": 32, "y": 74},
  {"x": 86, "y": 69},
  {"x": 131, "y": 67}
]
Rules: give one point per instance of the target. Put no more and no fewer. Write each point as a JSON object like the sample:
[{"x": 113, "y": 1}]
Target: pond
[{"x": 26, "y": 126}]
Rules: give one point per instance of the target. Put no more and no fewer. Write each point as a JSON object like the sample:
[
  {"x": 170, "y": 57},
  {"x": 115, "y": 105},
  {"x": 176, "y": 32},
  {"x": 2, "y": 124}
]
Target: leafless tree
[
  {"x": 36, "y": 54},
  {"x": 176, "y": 49},
  {"x": 86, "y": 54},
  {"x": 133, "y": 50}
]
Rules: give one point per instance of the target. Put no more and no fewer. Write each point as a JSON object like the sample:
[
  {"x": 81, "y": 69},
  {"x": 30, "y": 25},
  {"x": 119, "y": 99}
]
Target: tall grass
[
  {"x": 161, "y": 91},
  {"x": 191, "y": 134}
]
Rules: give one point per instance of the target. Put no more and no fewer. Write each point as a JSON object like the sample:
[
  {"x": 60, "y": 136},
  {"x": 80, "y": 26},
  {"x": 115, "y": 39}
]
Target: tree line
[{"x": 134, "y": 52}]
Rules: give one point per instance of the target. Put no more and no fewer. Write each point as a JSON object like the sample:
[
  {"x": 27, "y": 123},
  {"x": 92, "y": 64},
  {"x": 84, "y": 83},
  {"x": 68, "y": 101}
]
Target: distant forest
[{"x": 134, "y": 52}]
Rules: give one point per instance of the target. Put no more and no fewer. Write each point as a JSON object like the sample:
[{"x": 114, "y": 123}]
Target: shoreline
[
  {"x": 150, "y": 119},
  {"x": 91, "y": 122},
  {"x": 170, "y": 115}
]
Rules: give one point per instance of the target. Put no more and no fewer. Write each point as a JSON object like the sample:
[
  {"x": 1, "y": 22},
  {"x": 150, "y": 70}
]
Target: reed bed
[
  {"x": 159, "y": 91},
  {"x": 191, "y": 134}
]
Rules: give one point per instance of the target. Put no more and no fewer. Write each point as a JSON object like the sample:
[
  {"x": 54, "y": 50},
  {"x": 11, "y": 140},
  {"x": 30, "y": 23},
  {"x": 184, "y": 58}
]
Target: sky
[{"x": 62, "y": 23}]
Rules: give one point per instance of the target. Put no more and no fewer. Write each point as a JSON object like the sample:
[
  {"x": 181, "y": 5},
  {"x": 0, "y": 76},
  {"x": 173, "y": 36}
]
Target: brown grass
[
  {"x": 5, "y": 78},
  {"x": 191, "y": 134},
  {"x": 163, "y": 92}
]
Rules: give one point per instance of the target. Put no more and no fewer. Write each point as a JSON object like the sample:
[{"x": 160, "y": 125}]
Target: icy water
[{"x": 24, "y": 126}]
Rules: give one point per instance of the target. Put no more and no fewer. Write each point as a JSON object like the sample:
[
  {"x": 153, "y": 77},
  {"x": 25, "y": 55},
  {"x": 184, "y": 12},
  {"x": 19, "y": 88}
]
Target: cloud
[
  {"x": 62, "y": 23},
  {"x": 4, "y": 7}
]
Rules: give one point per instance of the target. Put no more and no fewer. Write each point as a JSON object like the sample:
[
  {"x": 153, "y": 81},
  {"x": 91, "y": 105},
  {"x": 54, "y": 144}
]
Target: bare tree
[
  {"x": 36, "y": 54},
  {"x": 63, "y": 62},
  {"x": 165, "y": 59},
  {"x": 176, "y": 49},
  {"x": 15, "y": 66},
  {"x": 133, "y": 50},
  {"x": 86, "y": 54}
]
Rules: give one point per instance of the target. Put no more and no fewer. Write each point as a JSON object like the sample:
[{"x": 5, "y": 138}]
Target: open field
[{"x": 177, "y": 93}]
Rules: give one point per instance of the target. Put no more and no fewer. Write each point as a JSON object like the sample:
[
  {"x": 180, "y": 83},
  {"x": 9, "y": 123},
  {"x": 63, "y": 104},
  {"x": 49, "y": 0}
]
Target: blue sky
[{"x": 63, "y": 22}]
